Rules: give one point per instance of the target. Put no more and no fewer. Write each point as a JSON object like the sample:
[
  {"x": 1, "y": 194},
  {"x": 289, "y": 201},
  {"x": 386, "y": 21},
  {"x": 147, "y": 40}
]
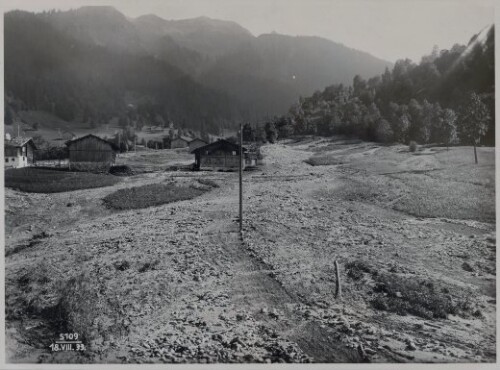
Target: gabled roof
[
  {"x": 185, "y": 138},
  {"x": 113, "y": 145},
  {"x": 19, "y": 141},
  {"x": 198, "y": 139},
  {"x": 216, "y": 145}
]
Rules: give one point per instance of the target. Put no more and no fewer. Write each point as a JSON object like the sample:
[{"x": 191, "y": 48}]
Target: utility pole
[{"x": 241, "y": 179}]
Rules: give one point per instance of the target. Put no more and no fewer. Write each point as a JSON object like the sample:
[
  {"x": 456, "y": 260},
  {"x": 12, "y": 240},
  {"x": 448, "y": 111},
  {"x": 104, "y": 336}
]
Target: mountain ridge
[{"x": 256, "y": 76}]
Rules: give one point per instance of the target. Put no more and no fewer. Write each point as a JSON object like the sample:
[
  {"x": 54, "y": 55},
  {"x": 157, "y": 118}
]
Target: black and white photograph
[{"x": 248, "y": 182}]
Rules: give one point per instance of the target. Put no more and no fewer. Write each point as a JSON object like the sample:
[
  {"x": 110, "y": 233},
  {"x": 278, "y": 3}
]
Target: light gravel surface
[{"x": 176, "y": 284}]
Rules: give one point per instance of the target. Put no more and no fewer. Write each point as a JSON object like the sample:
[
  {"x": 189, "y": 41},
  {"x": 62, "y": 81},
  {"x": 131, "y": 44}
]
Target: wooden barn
[
  {"x": 180, "y": 142},
  {"x": 91, "y": 153},
  {"x": 19, "y": 152},
  {"x": 220, "y": 155},
  {"x": 196, "y": 143}
]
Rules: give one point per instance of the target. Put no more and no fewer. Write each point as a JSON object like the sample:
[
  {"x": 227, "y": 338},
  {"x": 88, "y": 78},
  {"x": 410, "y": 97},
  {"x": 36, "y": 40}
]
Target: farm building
[
  {"x": 19, "y": 152},
  {"x": 219, "y": 155},
  {"x": 180, "y": 142},
  {"x": 91, "y": 153},
  {"x": 196, "y": 143}
]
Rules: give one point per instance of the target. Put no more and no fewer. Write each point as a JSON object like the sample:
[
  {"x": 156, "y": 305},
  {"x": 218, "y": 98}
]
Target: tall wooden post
[{"x": 241, "y": 178}]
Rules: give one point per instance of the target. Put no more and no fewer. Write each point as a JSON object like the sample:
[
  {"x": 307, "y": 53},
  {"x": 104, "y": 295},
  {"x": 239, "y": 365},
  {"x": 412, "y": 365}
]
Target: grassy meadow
[{"x": 37, "y": 180}]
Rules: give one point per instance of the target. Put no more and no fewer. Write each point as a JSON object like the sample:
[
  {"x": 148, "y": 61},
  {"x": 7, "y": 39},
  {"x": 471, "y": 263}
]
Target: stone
[
  {"x": 410, "y": 345},
  {"x": 274, "y": 314},
  {"x": 467, "y": 267}
]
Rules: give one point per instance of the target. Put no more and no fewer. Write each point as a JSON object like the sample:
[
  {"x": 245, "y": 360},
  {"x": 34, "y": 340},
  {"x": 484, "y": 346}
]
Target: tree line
[
  {"x": 448, "y": 98},
  {"x": 47, "y": 70}
]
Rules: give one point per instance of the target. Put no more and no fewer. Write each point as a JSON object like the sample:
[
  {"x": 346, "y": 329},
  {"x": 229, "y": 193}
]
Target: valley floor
[{"x": 175, "y": 283}]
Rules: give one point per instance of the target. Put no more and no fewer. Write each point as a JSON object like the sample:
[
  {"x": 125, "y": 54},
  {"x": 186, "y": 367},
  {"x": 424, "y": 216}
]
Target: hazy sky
[{"x": 389, "y": 29}]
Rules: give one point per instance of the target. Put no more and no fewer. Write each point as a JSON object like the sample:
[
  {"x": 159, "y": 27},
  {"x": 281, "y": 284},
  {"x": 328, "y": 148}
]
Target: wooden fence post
[
  {"x": 241, "y": 180},
  {"x": 338, "y": 285}
]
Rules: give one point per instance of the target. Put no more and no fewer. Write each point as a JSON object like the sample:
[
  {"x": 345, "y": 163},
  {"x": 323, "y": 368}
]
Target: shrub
[
  {"x": 83, "y": 309},
  {"x": 356, "y": 269},
  {"x": 326, "y": 160},
  {"x": 421, "y": 298},
  {"x": 383, "y": 132},
  {"x": 413, "y": 146},
  {"x": 121, "y": 170}
]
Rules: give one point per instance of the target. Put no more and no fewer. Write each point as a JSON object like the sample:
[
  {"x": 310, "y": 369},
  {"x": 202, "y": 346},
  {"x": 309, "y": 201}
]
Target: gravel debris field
[{"x": 413, "y": 234}]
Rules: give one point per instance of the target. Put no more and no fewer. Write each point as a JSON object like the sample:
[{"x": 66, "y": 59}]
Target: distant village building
[
  {"x": 156, "y": 129},
  {"x": 180, "y": 142},
  {"x": 19, "y": 152},
  {"x": 91, "y": 153},
  {"x": 221, "y": 155},
  {"x": 196, "y": 143}
]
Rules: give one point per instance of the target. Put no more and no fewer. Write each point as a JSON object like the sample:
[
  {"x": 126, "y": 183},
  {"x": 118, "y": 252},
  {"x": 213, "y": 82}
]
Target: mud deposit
[{"x": 414, "y": 236}]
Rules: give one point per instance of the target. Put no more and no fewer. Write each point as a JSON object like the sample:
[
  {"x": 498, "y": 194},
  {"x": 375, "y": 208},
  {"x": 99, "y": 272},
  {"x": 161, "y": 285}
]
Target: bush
[
  {"x": 83, "y": 309},
  {"x": 76, "y": 304},
  {"x": 326, "y": 160},
  {"x": 356, "y": 269},
  {"x": 413, "y": 146},
  {"x": 149, "y": 196},
  {"x": 421, "y": 298},
  {"x": 384, "y": 133},
  {"x": 121, "y": 170}
]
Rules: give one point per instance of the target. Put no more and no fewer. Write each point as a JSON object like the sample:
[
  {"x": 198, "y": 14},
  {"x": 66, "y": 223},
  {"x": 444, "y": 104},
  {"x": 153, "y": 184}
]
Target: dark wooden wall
[
  {"x": 30, "y": 152},
  {"x": 91, "y": 150}
]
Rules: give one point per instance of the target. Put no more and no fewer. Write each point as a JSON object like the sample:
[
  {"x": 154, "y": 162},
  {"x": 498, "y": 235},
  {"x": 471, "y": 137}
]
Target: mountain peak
[
  {"x": 99, "y": 12},
  {"x": 98, "y": 8}
]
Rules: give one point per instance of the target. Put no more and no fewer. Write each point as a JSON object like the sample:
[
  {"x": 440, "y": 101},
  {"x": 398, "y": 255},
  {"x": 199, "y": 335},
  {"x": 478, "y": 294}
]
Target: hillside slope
[{"x": 94, "y": 62}]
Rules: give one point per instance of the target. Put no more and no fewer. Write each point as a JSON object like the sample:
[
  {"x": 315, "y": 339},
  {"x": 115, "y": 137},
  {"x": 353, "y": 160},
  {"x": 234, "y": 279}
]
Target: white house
[{"x": 19, "y": 152}]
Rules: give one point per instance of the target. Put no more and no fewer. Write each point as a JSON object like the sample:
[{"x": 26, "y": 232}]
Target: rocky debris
[
  {"x": 121, "y": 265},
  {"x": 293, "y": 230},
  {"x": 467, "y": 267},
  {"x": 201, "y": 346},
  {"x": 274, "y": 314},
  {"x": 27, "y": 244},
  {"x": 410, "y": 345}
]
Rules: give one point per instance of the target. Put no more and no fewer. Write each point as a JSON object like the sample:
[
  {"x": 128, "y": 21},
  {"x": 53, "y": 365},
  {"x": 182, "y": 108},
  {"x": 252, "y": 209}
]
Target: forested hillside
[
  {"x": 92, "y": 64},
  {"x": 90, "y": 83},
  {"x": 435, "y": 101}
]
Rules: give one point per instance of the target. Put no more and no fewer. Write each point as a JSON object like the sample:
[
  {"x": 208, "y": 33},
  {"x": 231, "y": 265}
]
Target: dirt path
[{"x": 178, "y": 285}]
